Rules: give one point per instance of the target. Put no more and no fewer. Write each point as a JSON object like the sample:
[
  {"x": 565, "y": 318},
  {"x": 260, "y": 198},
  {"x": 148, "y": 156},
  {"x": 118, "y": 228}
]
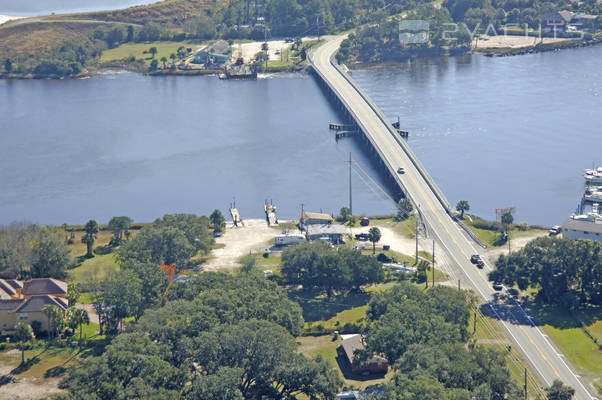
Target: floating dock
[
  {"x": 337, "y": 127},
  {"x": 270, "y": 213}
]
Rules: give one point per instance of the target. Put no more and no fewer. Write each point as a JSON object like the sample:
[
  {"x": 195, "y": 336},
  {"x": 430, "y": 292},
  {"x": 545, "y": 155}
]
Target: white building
[{"x": 586, "y": 228}]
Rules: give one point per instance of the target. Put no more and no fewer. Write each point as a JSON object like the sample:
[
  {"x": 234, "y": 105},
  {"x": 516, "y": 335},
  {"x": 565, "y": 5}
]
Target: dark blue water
[
  {"x": 37, "y": 7},
  {"x": 501, "y": 132},
  {"x": 498, "y": 132},
  {"x": 133, "y": 145}
]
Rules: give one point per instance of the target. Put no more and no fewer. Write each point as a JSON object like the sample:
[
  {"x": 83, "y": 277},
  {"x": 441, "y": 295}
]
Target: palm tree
[
  {"x": 78, "y": 317},
  {"x": 153, "y": 51},
  {"x": 173, "y": 58},
  {"x": 462, "y": 206},
  {"x": 23, "y": 333},
  {"x": 374, "y": 236},
  {"x": 52, "y": 312},
  {"x": 507, "y": 220},
  {"x": 91, "y": 229},
  {"x": 163, "y": 60}
]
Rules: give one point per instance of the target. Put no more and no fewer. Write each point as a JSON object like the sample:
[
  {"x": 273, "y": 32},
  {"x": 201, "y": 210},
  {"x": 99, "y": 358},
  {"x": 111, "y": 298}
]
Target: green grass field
[
  {"x": 567, "y": 333},
  {"x": 94, "y": 268},
  {"x": 164, "y": 49}
]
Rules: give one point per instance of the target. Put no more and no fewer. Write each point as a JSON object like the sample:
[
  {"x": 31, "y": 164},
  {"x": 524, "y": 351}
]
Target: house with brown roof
[
  {"x": 27, "y": 311},
  {"x": 43, "y": 286},
  {"x": 25, "y": 301},
  {"x": 351, "y": 345},
  {"x": 312, "y": 218}
]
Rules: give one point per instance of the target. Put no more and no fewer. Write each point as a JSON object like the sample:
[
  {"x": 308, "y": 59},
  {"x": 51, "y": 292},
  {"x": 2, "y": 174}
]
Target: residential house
[
  {"x": 556, "y": 21},
  {"x": 312, "y": 218},
  {"x": 27, "y": 311},
  {"x": 24, "y": 302},
  {"x": 351, "y": 344},
  {"x": 331, "y": 233}
]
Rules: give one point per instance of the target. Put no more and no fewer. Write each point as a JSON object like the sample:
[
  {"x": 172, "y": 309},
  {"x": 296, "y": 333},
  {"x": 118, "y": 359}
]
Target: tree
[
  {"x": 118, "y": 225},
  {"x": 54, "y": 316},
  {"x": 507, "y": 220},
  {"x": 130, "y": 33},
  {"x": 77, "y": 317},
  {"x": 405, "y": 208},
  {"x": 154, "y": 65},
  {"x": 374, "y": 236},
  {"x": 559, "y": 391},
  {"x": 91, "y": 229},
  {"x": 345, "y": 213},
  {"x": 153, "y": 51},
  {"x": 217, "y": 220},
  {"x": 173, "y": 57},
  {"x": 164, "y": 60},
  {"x": 8, "y": 65},
  {"x": 120, "y": 297},
  {"x": 461, "y": 207},
  {"x": 23, "y": 334},
  {"x": 73, "y": 293},
  {"x": 51, "y": 256}
]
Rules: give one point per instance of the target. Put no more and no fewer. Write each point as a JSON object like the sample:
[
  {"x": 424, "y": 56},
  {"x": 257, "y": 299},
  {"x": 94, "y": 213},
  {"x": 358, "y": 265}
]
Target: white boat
[{"x": 593, "y": 176}]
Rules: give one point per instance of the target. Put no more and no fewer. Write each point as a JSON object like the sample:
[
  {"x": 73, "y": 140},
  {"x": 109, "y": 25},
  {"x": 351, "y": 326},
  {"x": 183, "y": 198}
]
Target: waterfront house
[
  {"x": 351, "y": 344},
  {"x": 217, "y": 53},
  {"x": 331, "y": 233},
  {"x": 556, "y": 21},
  {"x": 312, "y": 218}
]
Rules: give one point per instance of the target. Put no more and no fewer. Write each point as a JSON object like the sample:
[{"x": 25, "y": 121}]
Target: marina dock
[
  {"x": 270, "y": 213},
  {"x": 236, "y": 219}
]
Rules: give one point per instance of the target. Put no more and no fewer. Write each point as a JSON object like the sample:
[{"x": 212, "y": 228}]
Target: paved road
[{"x": 536, "y": 347}]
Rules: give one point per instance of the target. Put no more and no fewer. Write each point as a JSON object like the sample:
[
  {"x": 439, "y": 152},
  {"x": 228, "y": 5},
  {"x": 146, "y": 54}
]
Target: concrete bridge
[{"x": 393, "y": 153}]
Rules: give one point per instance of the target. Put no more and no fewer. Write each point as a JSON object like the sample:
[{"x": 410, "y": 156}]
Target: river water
[
  {"x": 46, "y": 7},
  {"x": 498, "y": 132}
]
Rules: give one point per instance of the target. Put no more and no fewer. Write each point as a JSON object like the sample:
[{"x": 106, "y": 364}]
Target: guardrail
[{"x": 472, "y": 235}]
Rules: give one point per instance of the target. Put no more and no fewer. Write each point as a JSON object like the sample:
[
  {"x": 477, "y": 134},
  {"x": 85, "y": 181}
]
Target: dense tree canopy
[
  {"x": 318, "y": 265},
  {"x": 220, "y": 337},
  {"x": 566, "y": 271}
]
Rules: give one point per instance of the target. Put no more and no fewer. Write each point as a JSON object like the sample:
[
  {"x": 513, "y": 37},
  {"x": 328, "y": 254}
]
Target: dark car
[
  {"x": 498, "y": 286},
  {"x": 475, "y": 258},
  {"x": 480, "y": 264},
  {"x": 400, "y": 170},
  {"x": 361, "y": 236}
]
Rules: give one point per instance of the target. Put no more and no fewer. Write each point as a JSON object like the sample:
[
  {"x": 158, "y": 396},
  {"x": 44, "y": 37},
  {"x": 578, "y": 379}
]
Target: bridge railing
[{"x": 417, "y": 164}]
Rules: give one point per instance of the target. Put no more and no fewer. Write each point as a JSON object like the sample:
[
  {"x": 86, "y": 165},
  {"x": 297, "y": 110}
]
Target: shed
[
  {"x": 354, "y": 343},
  {"x": 332, "y": 233}
]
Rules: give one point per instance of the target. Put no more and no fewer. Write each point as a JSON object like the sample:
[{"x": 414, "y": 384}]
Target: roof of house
[
  {"x": 14, "y": 283},
  {"x": 41, "y": 286},
  {"x": 313, "y": 215},
  {"x": 582, "y": 225},
  {"x": 6, "y": 289},
  {"x": 218, "y": 47},
  {"x": 37, "y": 304},
  {"x": 353, "y": 343},
  {"x": 10, "y": 305},
  {"x": 564, "y": 15},
  {"x": 330, "y": 229}
]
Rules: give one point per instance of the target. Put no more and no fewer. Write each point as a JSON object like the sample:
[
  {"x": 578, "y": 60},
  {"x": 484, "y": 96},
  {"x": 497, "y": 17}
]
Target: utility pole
[
  {"x": 433, "y": 262},
  {"x": 417, "y": 238},
  {"x": 302, "y": 205},
  {"x": 474, "y": 329},
  {"x": 459, "y": 285},
  {"x": 318, "y": 25},
  {"x": 350, "y": 192},
  {"x": 525, "y": 387}
]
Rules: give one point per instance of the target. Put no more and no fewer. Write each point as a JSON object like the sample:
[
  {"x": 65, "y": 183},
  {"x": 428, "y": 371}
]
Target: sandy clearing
[
  {"x": 398, "y": 243},
  {"x": 513, "y": 42},
  {"x": 515, "y": 244},
  {"x": 255, "y": 235},
  {"x": 248, "y": 50},
  {"x": 29, "y": 389}
]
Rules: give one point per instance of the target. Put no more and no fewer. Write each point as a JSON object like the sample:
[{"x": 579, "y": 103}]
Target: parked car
[
  {"x": 362, "y": 236},
  {"x": 555, "y": 230},
  {"x": 475, "y": 258},
  {"x": 365, "y": 221},
  {"x": 497, "y": 286},
  {"x": 400, "y": 170},
  {"x": 383, "y": 258}
]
